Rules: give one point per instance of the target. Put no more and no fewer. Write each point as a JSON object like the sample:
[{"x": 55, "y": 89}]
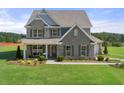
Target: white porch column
[
  {"x": 46, "y": 52},
  {"x": 24, "y": 52}
]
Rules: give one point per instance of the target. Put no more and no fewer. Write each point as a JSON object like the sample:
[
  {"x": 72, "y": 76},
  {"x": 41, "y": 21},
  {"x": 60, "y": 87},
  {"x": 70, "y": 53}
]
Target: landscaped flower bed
[{"x": 28, "y": 62}]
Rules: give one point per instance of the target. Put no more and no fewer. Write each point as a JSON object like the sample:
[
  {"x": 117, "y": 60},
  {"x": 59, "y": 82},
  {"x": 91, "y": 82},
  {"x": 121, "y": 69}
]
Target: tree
[
  {"x": 105, "y": 49},
  {"x": 18, "y": 53}
]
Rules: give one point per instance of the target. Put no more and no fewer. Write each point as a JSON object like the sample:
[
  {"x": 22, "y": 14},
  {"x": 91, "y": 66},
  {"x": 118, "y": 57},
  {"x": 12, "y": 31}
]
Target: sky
[{"x": 103, "y": 19}]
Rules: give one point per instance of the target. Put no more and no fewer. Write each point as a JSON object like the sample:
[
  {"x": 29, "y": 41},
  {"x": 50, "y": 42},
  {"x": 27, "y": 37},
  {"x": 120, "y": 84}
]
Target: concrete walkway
[{"x": 77, "y": 63}]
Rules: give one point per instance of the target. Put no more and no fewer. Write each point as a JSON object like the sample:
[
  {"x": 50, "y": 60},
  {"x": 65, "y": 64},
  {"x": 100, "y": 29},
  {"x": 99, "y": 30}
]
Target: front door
[{"x": 52, "y": 51}]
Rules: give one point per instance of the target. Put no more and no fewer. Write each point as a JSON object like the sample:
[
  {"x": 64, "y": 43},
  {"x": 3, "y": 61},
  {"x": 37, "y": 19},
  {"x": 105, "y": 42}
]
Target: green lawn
[
  {"x": 56, "y": 74},
  {"x": 116, "y": 52}
]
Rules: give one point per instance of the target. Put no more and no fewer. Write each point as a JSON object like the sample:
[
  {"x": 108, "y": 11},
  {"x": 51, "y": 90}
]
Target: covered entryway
[{"x": 52, "y": 51}]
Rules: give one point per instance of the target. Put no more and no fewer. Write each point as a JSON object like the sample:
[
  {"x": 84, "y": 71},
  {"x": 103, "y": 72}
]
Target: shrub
[
  {"x": 60, "y": 58},
  {"x": 41, "y": 58},
  {"x": 22, "y": 61},
  {"x": 105, "y": 49},
  {"x": 107, "y": 59},
  {"x": 18, "y": 53},
  {"x": 35, "y": 61},
  {"x": 121, "y": 65},
  {"x": 29, "y": 61},
  {"x": 100, "y": 58}
]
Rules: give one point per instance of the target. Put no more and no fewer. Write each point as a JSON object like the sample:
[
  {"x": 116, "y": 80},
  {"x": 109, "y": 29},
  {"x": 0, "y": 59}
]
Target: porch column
[
  {"x": 46, "y": 52},
  {"x": 24, "y": 52}
]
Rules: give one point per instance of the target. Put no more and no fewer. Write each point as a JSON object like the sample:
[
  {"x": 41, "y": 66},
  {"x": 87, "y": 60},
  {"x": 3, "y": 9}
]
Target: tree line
[
  {"x": 10, "y": 37},
  {"x": 112, "y": 39}
]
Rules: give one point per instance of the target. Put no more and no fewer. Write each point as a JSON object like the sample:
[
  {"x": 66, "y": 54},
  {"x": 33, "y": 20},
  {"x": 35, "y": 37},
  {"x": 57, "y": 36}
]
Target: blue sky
[{"x": 103, "y": 19}]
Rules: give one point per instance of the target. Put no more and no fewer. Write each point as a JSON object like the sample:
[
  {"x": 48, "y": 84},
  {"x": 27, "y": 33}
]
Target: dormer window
[{"x": 75, "y": 32}]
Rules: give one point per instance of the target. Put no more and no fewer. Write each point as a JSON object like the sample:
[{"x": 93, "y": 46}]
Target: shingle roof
[
  {"x": 48, "y": 20},
  {"x": 64, "y": 18},
  {"x": 96, "y": 39}
]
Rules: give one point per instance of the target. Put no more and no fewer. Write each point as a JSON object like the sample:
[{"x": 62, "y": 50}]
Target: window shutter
[
  {"x": 50, "y": 32},
  {"x": 64, "y": 50},
  {"x": 79, "y": 49},
  {"x": 30, "y": 33},
  {"x": 87, "y": 50},
  {"x": 72, "y": 50}
]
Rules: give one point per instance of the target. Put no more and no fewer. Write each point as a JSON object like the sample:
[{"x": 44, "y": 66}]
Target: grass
[
  {"x": 116, "y": 52},
  {"x": 56, "y": 74}
]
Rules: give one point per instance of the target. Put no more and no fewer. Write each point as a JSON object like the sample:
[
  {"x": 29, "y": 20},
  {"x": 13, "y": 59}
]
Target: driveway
[{"x": 77, "y": 63}]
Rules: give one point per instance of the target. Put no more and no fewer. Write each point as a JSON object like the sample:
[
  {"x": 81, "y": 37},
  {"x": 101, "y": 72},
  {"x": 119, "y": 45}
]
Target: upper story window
[
  {"x": 40, "y": 33},
  {"x": 37, "y": 33},
  {"x": 54, "y": 33},
  {"x": 75, "y": 32}
]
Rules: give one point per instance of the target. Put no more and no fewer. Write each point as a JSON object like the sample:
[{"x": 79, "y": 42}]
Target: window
[
  {"x": 36, "y": 33},
  {"x": 54, "y": 32},
  {"x": 40, "y": 33},
  {"x": 75, "y": 32},
  {"x": 37, "y": 49},
  {"x": 83, "y": 50},
  {"x": 68, "y": 50}
]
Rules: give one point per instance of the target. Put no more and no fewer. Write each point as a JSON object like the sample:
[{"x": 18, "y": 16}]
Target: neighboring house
[{"x": 60, "y": 33}]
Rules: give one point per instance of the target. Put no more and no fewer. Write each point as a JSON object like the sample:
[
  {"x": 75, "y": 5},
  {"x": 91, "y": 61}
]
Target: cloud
[
  {"x": 107, "y": 26},
  {"x": 11, "y": 24}
]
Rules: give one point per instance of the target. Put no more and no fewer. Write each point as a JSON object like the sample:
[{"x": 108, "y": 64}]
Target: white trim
[
  {"x": 85, "y": 50},
  {"x": 71, "y": 30},
  {"x": 46, "y": 52},
  {"x": 27, "y": 26},
  {"x": 24, "y": 52},
  {"x": 66, "y": 51},
  {"x": 44, "y": 21},
  {"x": 37, "y": 19},
  {"x": 67, "y": 32},
  {"x": 51, "y": 26}
]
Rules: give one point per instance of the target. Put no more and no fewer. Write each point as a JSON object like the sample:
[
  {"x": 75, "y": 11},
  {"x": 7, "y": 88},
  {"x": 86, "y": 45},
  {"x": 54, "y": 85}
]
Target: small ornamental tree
[
  {"x": 18, "y": 53},
  {"x": 105, "y": 49}
]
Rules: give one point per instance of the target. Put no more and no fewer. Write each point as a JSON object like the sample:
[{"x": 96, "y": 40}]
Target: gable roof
[
  {"x": 92, "y": 38},
  {"x": 48, "y": 20},
  {"x": 35, "y": 17},
  {"x": 96, "y": 39},
  {"x": 64, "y": 18}
]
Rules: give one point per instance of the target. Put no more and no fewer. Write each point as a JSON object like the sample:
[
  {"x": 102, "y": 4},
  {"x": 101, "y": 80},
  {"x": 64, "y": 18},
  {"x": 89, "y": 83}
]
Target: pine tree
[
  {"x": 18, "y": 53},
  {"x": 105, "y": 49}
]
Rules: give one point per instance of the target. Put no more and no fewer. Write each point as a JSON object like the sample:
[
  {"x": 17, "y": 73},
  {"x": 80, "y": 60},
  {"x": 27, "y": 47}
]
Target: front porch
[
  {"x": 32, "y": 51},
  {"x": 34, "y": 47}
]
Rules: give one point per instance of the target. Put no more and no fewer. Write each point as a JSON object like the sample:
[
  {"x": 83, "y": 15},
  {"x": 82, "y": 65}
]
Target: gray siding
[
  {"x": 37, "y": 24},
  {"x": 91, "y": 51},
  {"x": 76, "y": 41}
]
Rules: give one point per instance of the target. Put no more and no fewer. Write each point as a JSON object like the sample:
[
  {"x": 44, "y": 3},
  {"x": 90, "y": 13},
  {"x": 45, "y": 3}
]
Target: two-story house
[{"x": 60, "y": 33}]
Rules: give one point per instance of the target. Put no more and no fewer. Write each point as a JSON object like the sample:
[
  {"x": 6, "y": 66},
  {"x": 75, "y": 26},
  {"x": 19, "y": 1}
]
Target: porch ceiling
[{"x": 40, "y": 41}]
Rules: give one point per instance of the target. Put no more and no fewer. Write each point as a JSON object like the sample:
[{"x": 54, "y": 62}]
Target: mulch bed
[{"x": 16, "y": 62}]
